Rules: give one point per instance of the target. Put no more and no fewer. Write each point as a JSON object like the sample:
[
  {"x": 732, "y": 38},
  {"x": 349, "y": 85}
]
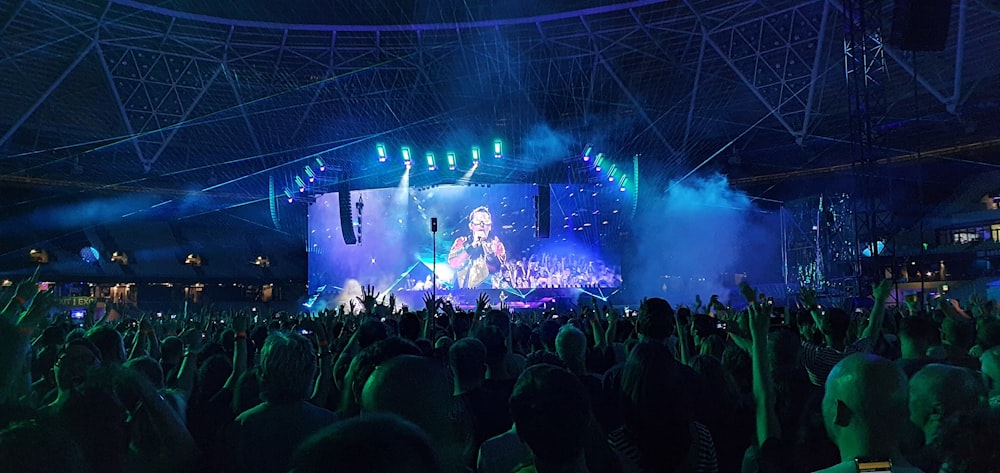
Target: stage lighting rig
[
  {"x": 586, "y": 152},
  {"x": 451, "y": 160},
  {"x": 407, "y": 159},
  {"x": 300, "y": 183},
  {"x": 321, "y": 164},
  {"x": 380, "y": 149},
  {"x": 497, "y": 149},
  {"x": 475, "y": 156},
  {"x": 431, "y": 164}
]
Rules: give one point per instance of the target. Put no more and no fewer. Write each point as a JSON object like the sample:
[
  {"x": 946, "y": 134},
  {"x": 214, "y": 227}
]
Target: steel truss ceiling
[{"x": 124, "y": 95}]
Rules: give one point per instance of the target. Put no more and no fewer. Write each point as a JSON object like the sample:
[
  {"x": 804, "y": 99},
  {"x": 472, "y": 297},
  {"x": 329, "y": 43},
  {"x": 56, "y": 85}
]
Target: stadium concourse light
[
  {"x": 382, "y": 156},
  {"x": 407, "y": 159}
]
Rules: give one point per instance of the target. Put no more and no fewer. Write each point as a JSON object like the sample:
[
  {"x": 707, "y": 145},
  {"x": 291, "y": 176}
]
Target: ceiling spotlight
[
  {"x": 380, "y": 149},
  {"x": 321, "y": 164},
  {"x": 39, "y": 256},
  {"x": 311, "y": 174},
  {"x": 407, "y": 159},
  {"x": 451, "y": 160},
  {"x": 586, "y": 152},
  {"x": 497, "y": 149},
  {"x": 193, "y": 260},
  {"x": 431, "y": 165},
  {"x": 119, "y": 257},
  {"x": 262, "y": 261},
  {"x": 475, "y": 156},
  {"x": 301, "y": 184}
]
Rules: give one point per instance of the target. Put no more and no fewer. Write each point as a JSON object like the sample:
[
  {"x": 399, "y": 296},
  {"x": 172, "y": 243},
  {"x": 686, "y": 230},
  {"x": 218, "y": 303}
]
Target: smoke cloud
[{"x": 696, "y": 236}]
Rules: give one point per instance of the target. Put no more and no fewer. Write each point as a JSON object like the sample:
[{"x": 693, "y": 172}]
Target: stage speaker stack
[
  {"x": 346, "y": 217},
  {"x": 920, "y": 25},
  {"x": 544, "y": 211}
]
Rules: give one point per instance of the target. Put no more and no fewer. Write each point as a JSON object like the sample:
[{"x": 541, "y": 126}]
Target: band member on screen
[{"x": 477, "y": 258}]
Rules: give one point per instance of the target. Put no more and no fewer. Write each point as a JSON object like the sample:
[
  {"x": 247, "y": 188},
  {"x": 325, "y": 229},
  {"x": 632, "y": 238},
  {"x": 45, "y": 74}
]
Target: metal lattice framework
[{"x": 126, "y": 96}]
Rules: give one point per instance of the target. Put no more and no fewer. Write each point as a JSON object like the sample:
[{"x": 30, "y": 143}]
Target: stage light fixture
[
  {"x": 622, "y": 182},
  {"x": 475, "y": 156},
  {"x": 288, "y": 194},
  {"x": 497, "y": 149},
  {"x": 39, "y": 256},
  {"x": 451, "y": 160},
  {"x": 262, "y": 261},
  {"x": 407, "y": 159},
  {"x": 586, "y": 152},
  {"x": 193, "y": 260},
  {"x": 310, "y": 174},
  {"x": 321, "y": 164},
  {"x": 119, "y": 257},
  {"x": 431, "y": 165},
  {"x": 300, "y": 183},
  {"x": 382, "y": 156}
]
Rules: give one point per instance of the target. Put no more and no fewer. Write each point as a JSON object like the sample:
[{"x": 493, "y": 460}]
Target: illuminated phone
[{"x": 873, "y": 466}]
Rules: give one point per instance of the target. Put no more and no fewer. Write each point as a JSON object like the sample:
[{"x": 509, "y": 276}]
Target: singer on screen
[{"x": 478, "y": 258}]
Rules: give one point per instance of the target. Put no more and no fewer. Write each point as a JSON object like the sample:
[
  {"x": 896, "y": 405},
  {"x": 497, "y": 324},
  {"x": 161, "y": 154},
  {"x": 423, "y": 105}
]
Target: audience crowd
[{"x": 377, "y": 388}]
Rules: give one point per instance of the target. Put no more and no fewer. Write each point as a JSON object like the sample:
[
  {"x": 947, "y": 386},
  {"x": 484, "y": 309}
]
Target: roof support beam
[
  {"x": 814, "y": 74},
  {"x": 694, "y": 93},
  {"x": 621, "y": 85},
  {"x": 236, "y": 93},
  {"x": 182, "y": 119},
  {"x": 120, "y": 104},
  {"x": 48, "y": 92},
  {"x": 955, "y": 100}
]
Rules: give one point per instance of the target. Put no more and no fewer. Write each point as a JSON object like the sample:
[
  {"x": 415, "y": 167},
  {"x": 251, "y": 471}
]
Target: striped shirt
[
  {"x": 700, "y": 459},
  {"x": 819, "y": 360}
]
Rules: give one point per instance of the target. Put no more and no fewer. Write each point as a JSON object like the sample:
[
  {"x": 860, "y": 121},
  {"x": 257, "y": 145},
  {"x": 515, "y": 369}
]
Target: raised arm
[{"x": 880, "y": 292}]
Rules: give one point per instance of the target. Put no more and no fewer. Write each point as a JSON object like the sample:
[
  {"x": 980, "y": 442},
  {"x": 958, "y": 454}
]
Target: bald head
[
  {"x": 571, "y": 346},
  {"x": 938, "y": 392},
  {"x": 990, "y": 363},
  {"x": 864, "y": 395},
  {"x": 419, "y": 390}
]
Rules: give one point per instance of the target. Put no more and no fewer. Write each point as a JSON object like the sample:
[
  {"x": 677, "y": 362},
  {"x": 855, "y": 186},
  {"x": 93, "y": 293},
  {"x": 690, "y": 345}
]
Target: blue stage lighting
[
  {"x": 382, "y": 156},
  {"x": 451, "y": 160},
  {"x": 622, "y": 182},
  {"x": 586, "y": 152},
  {"x": 311, "y": 174},
  {"x": 321, "y": 164},
  {"x": 497, "y": 149},
  {"x": 475, "y": 156},
  {"x": 598, "y": 161},
  {"x": 300, "y": 183},
  {"x": 431, "y": 165},
  {"x": 407, "y": 160}
]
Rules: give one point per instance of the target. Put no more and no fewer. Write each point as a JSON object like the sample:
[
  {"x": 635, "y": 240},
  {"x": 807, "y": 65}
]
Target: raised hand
[
  {"x": 241, "y": 322},
  {"x": 354, "y": 306},
  {"x": 392, "y": 302},
  {"x": 760, "y": 320},
  {"x": 430, "y": 304},
  {"x": 482, "y": 303},
  {"x": 748, "y": 293},
  {"x": 881, "y": 289},
  {"x": 808, "y": 296},
  {"x": 369, "y": 298},
  {"x": 697, "y": 303}
]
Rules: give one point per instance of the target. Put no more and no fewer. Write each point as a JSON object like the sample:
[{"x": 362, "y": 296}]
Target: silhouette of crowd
[{"x": 378, "y": 388}]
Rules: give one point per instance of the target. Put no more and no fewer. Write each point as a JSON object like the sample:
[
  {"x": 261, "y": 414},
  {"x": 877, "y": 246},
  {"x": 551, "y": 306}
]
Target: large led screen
[{"x": 485, "y": 239}]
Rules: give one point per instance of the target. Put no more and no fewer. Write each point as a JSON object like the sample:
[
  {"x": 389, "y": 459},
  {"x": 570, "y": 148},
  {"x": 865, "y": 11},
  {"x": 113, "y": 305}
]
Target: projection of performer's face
[{"x": 480, "y": 224}]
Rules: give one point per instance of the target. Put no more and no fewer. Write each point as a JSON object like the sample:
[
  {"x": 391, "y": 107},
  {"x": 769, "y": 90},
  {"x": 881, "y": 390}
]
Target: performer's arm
[{"x": 459, "y": 255}]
